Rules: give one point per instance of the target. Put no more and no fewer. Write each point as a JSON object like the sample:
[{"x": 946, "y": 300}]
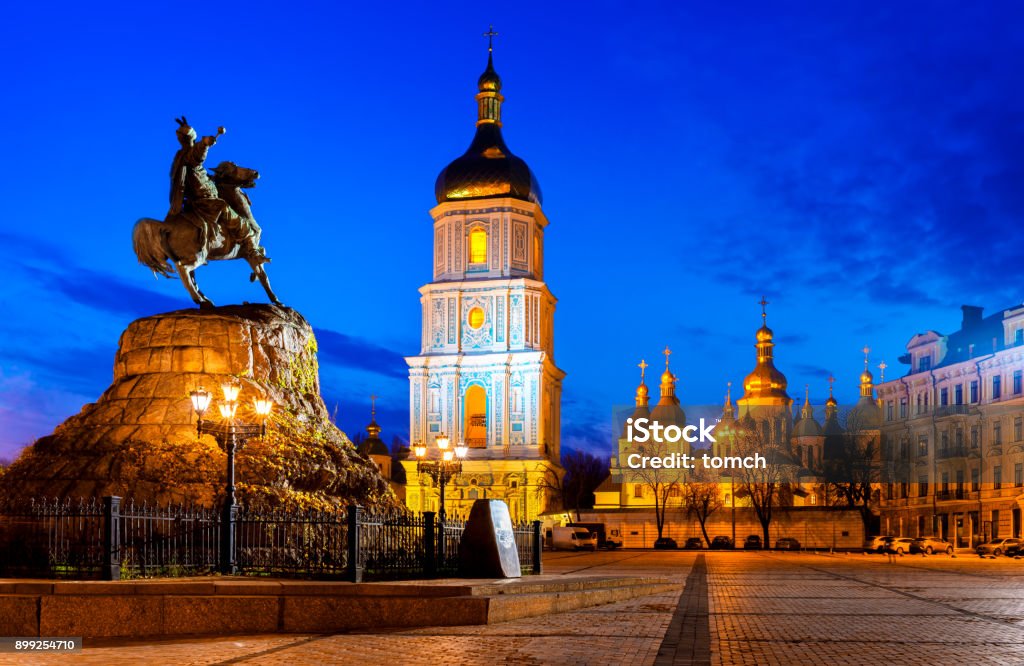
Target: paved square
[{"x": 731, "y": 608}]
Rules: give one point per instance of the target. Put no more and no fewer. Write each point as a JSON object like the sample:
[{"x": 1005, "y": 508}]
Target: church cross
[
  {"x": 490, "y": 35},
  {"x": 882, "y": 366},
  {"x": 667, "y": 353},
  {"x": 831, "y": 380},
  {"x": 866, "y": 350},
  {"x": 763, "y": 303},
  {"x": 643, "y": 369},
  {"x": 373, "y": 405}
]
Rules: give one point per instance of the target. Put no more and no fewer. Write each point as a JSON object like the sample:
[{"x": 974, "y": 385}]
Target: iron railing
[{"x": 112, "y": 540}]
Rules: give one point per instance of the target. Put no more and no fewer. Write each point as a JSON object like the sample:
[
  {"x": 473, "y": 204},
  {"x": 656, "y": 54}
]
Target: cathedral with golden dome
[
  {"x": 798, "y": 441},
  {"x": 485, "y": 377}
]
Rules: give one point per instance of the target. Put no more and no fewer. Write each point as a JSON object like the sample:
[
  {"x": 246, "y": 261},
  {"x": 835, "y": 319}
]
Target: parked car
[
  {"x": 573, "y": 538},
  {"x": 666, "y": 543},
  {"x": 694, "y": 543},
  {"x": 996, "y": 547},
  {"x": 752, "y": 542},
  {"x": 722, "y": 542},
  {"x": 899, "y": 545},
  {"x": 931, "y": 544},
  {"x": 787, "y": 543},
  {"x": 1015, "y": 549},
  {"x": 876, "y": 544}
]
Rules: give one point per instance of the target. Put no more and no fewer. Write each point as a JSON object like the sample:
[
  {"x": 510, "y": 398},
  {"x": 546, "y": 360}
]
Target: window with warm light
[
  {"x": 478, "y": 246},
  {"x": 476, "y": 318}
]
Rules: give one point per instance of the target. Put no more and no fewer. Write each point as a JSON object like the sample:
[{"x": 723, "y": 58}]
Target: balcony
[
  {"x": 952, "y": 410},
  {"x": 951, "y": 452},
  {"x": 947, "y": 495}
]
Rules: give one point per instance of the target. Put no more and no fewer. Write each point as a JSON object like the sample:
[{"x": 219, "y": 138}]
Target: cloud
[{"x": 348, "y": 351}]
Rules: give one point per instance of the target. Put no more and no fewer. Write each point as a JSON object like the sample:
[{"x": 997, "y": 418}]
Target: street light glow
[{"x": 200, "y": 400}]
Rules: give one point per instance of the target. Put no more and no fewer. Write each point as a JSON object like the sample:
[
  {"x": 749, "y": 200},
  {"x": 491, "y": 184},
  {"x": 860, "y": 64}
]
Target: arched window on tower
[
  {"x": 478, "y": 246},
  {"x": 475, "y": 409}
]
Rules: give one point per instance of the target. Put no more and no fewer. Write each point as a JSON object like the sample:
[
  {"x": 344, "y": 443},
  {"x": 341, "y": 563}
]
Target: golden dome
[
  {"x": 489, "y": 81},
  {"x": 764, "y": 334},
  {"x": 866, "y": 377}
]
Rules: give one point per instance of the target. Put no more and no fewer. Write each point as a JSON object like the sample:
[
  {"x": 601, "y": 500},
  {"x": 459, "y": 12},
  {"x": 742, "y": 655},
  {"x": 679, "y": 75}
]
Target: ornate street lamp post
[
  {"x": 444, "y": 469},
  {"x": 231, "y": 434}
]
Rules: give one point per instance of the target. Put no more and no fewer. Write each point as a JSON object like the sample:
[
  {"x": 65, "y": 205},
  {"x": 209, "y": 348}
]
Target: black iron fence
[{"x": 111, "y": 540}]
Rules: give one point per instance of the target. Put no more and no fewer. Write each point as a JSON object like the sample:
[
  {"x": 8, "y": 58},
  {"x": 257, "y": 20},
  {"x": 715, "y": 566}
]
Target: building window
[
  {"x": 959, "y": 439},
  {"x": 943, "y": 442},
  {"x": 638, "y": 490},
  {"x": 1018, "y": 336},
  {"x": 924, "y": 363},
  {"x": 922, "y": 445},
  {"x": 1017, "y": 382},
  {"x": 974, "y": 480},
  {"x": 476, "y": 317},
  {"x": 814, "y": 499},
  {"x": 903, "y": 408},
  {"x": 997, "y": 387},
  {"x": 997, "y": 433},
  {"x": 1018, "y": 423},
  {"x": 888, "y": 410},
  {"x": 478, "y": 246},
  {"x": 974, "y": 391},
  {"x": 958, "y": 392},
  {"x": 922, "y": 485},
  {"x": 975, "y": 436},
  {"x": 920, "y": 409},
  {"x": 904, "y": 446},
  {"x": 997, "y": 477},
  {"x": 673, "y": 491},
  {"x": 1018, "y": 474},
  {"x": 943, "y": 397}
]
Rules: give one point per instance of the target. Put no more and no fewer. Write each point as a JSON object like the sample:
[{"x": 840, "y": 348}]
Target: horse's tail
[{"x": 150, "y": 246}]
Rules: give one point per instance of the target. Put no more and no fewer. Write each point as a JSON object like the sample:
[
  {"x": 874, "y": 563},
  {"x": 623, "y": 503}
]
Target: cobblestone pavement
[{"x": 761, "y": 608}]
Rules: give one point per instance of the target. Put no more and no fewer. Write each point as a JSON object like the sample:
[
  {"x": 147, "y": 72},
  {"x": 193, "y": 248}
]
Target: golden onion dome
[
  {"x": 487, "y": 168},
  {"x": 765, "y": 380},
  {"x": 866, "y": 377},
  {"x": 641, "y": 391},
  {"x": 764, "y": 334},
  {"x": 489, "y": 81}
]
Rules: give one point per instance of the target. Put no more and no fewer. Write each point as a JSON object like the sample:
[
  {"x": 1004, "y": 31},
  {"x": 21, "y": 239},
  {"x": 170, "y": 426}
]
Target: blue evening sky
[{"x": 860, "y": 163}]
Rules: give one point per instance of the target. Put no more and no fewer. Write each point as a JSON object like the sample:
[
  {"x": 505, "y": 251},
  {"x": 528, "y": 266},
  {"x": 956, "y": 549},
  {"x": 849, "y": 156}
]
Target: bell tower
[{"x": 486, "y": 374}]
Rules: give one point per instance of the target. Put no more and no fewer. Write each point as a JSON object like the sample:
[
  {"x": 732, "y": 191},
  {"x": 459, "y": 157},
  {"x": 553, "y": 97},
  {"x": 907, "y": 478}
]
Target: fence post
[
  {"x": 429, "y": 544},
  {"x": 111, "y": 541},
  {"x": 354, "y": 572},
  {"x": 538, "y": 546}
]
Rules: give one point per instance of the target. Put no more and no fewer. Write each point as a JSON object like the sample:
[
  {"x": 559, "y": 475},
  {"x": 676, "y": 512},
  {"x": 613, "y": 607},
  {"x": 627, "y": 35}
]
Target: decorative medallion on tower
[{"x": 486, "y": 374}]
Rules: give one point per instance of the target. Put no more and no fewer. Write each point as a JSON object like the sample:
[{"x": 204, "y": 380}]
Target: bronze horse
[{"x": 187, "y": 245}]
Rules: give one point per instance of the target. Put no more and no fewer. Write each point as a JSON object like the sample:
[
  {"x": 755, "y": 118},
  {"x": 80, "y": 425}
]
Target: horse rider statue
[{"x": 195, "y": 196}]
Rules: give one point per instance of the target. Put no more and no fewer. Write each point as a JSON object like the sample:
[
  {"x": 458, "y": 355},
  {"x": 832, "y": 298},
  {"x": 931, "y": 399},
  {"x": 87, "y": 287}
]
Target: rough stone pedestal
[{"x": 138, "y": 440}]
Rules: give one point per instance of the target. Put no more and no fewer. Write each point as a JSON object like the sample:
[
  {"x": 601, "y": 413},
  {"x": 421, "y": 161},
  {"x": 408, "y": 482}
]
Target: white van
[{"x": 573, "y": 538}]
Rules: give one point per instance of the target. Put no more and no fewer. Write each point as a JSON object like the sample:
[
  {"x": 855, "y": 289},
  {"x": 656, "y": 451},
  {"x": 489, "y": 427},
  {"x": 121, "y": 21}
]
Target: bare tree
[
  {"x": 767, "y": 485},
  {"x": 702, "y": 496},
  {"x": 663, "y": 483},
  {"x": 853, "y": 470},
  {"x": 584, "y": 472}
]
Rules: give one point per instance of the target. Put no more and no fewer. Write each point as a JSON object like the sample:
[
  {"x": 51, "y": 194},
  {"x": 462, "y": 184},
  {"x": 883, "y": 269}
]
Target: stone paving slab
[{"x": 764, "y": 609}]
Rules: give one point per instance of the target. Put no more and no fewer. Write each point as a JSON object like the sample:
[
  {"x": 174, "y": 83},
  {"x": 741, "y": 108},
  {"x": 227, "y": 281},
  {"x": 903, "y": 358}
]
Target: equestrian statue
[{"x": 210, "y": 219}]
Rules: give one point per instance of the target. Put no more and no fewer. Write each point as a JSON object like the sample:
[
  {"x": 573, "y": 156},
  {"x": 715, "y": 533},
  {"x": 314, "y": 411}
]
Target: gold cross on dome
[
  {"x": 882, "y": 366},
  {"x": 643, "y": 369},
  {"x": 667, "y": 353},
  {"x": 490, "y": 35},
  {"x": 373, "y": 404},
  {"x": 831, "y": 381},
  {"x": 764, "y": 304}
]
